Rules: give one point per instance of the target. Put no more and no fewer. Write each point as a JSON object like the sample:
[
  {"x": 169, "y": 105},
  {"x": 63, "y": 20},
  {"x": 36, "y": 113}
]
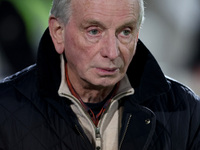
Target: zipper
[
  {"x": 97, "y": 129},
  {"x": 129, "y": 118},
  {"x": 98, "y": 138},
  {"x": 77, "y": 129},
  {"x": 80, "y": 106},
  {"x": 115, "y": 98}
]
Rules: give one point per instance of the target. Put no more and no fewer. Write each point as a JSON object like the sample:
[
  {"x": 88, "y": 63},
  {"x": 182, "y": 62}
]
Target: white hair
[
  {"x": 62, "y": 9},
  {"x": 141, "y": 14}
]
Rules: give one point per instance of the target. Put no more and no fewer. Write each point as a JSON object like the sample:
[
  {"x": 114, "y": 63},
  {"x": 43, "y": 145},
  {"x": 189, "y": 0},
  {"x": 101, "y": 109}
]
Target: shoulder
[
  {"x": 183, "y": 94},
  {"x": 17, "y": 76},
  {"x": 188, "y": 110},
  {"x": 180, "y": 89},
  {"x": 17, "y": 87}
]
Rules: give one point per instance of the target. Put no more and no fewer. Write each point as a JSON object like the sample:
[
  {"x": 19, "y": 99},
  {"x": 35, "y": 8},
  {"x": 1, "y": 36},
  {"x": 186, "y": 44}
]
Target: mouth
[{"x": 107, "y": 71}]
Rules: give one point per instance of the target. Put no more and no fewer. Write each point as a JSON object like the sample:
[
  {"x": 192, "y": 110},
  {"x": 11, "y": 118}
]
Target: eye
[
  {"x": 126, "y": 35},
  {"x": 93, "y": 32},
  {"x": 126, "y": 32}
]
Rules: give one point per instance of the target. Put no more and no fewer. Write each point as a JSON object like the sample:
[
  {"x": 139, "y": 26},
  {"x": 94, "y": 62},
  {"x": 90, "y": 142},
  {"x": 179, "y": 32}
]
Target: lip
[{"x": 107, "y": 71}]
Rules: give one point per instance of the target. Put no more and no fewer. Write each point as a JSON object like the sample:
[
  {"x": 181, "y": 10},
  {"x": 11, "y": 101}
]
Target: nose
[{"x": 110, "y": 46}]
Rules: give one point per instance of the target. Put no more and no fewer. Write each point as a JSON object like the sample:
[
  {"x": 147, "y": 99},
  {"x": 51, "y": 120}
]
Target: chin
[{"x": 106, "y": 83}]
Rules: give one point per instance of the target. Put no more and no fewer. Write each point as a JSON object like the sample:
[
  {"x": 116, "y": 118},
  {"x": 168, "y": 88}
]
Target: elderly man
[{"x": 96, "y": 86}]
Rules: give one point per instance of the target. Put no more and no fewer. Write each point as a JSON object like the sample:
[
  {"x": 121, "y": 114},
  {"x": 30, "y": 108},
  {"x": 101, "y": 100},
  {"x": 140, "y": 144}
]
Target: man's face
[{"x": 100, "y": 40}]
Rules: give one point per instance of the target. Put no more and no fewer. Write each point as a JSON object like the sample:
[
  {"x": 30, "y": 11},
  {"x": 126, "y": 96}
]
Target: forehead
[{"x": 106, "y": 9}]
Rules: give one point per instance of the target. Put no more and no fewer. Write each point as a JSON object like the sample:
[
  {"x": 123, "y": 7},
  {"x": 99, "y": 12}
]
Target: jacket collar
[
  {"x": 48, "y": 64},
  {"x": 144, "y": 72},
  {"x": 146, "y": 75}
]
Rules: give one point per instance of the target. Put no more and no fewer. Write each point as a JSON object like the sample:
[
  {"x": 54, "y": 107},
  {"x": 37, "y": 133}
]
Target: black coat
[{"x": 162, "y": 114}]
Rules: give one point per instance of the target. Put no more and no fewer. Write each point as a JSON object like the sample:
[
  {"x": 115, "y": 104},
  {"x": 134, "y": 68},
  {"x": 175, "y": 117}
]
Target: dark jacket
[{"x": 162, "y": 114}]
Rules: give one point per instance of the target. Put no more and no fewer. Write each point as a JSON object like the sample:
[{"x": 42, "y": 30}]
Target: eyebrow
[
  {"x": 131, "y": 23},
  {"x": 93, "y": 22}
]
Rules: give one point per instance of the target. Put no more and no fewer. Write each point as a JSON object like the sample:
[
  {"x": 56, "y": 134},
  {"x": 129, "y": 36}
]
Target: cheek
[
  {"x": 132, "y": 47},
  {"x": 72, "y": 45},
  {"x": 129, "y": 52},
  {"x": 76, "y": 54}
]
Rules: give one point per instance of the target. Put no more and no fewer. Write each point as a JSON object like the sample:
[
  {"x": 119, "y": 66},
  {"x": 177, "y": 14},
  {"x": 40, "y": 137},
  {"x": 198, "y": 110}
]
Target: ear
[
  {"x": 137, "y": 36},
  {"x": 57, "y": 34}
]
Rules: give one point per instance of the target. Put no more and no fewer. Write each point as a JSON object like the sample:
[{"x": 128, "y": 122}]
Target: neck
[{"x": 89, "y": 95}]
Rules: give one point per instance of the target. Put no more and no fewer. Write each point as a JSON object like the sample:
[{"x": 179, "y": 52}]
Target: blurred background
[
  {"x": 171, "y": 31},
  {"x": 22, "y": 23}
]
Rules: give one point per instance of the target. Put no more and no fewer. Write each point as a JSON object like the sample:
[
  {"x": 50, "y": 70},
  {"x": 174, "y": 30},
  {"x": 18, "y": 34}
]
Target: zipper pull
[{"x": 98, "y": 139}]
